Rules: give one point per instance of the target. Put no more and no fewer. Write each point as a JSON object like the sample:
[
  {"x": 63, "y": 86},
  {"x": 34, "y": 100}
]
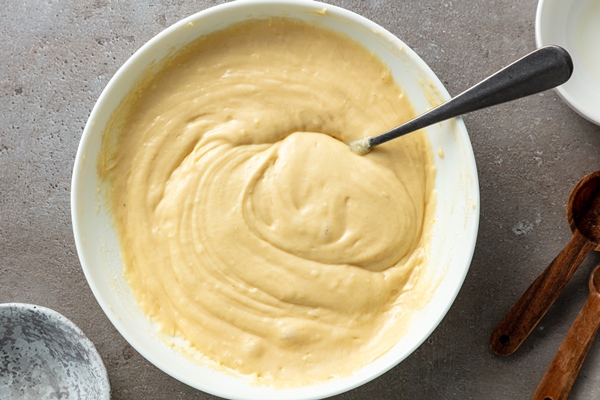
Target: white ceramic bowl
[
  {"x": 457, "y": 212},
  {"x": 575, "y": 26},
  {"x": 45, "y": 356}
]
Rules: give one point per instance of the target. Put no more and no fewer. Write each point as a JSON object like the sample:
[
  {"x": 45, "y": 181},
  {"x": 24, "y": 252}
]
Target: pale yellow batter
[{"x": 247, "y": 225}]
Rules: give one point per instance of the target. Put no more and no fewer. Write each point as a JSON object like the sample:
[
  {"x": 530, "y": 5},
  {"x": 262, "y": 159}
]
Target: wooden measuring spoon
[
  {"x": 583, "y": 212},
  {"x": 560, "y": 376}
]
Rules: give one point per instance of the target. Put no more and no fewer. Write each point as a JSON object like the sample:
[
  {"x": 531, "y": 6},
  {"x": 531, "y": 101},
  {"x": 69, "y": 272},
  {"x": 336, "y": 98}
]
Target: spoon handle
[
  {"x": 537, "y": 299},
  {"x": 540, "y": 70},
  {"x": 560, "y": 376}
]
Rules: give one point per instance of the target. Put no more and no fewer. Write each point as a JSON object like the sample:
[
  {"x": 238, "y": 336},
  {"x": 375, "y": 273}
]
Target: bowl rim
[
  {"x": 57, "y": 318},
  {"x": 576, "y": 104},
  {"x": 343, "y": 13}
]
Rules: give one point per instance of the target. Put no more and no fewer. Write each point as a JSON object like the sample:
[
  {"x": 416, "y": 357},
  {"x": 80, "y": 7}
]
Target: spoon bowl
[{"x": 583, "y": 210}]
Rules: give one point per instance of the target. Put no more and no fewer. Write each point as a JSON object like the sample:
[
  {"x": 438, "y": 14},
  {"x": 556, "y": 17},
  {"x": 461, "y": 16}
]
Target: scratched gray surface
[{"x": 56, "y": 57}]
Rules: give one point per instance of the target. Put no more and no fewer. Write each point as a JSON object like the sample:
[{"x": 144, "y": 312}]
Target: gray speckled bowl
[{"x": 43, "y": 355}]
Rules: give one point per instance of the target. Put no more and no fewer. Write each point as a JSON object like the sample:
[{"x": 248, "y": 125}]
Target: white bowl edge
[{"x": 583, "y": 102}]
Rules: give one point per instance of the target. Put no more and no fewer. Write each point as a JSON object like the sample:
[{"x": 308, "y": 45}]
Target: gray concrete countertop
[{"x": 57, "y": 56}]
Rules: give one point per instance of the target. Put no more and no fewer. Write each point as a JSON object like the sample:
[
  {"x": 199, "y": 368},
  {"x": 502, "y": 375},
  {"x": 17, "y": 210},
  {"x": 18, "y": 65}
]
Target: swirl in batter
[{"x": 247, "y": 226}]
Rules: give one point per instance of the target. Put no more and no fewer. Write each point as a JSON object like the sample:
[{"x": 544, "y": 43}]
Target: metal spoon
[
  {"x": 583, "y": 212},
  {"x": 560, "y": 376},
  {"x": 540, "y": 70}
]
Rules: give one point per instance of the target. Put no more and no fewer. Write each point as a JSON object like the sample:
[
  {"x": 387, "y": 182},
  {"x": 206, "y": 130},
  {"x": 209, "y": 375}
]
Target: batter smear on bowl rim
[{"x": 246, "y": 224}]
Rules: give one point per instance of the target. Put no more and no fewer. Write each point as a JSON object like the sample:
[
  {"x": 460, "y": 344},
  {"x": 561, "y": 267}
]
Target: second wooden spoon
[{"x": 560, "y": 376}]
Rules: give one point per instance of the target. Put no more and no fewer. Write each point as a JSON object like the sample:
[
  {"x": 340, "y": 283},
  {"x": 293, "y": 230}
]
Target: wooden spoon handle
[
  {"x": 537, "y": 299},
  {"x": 560, "y": 376}
]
